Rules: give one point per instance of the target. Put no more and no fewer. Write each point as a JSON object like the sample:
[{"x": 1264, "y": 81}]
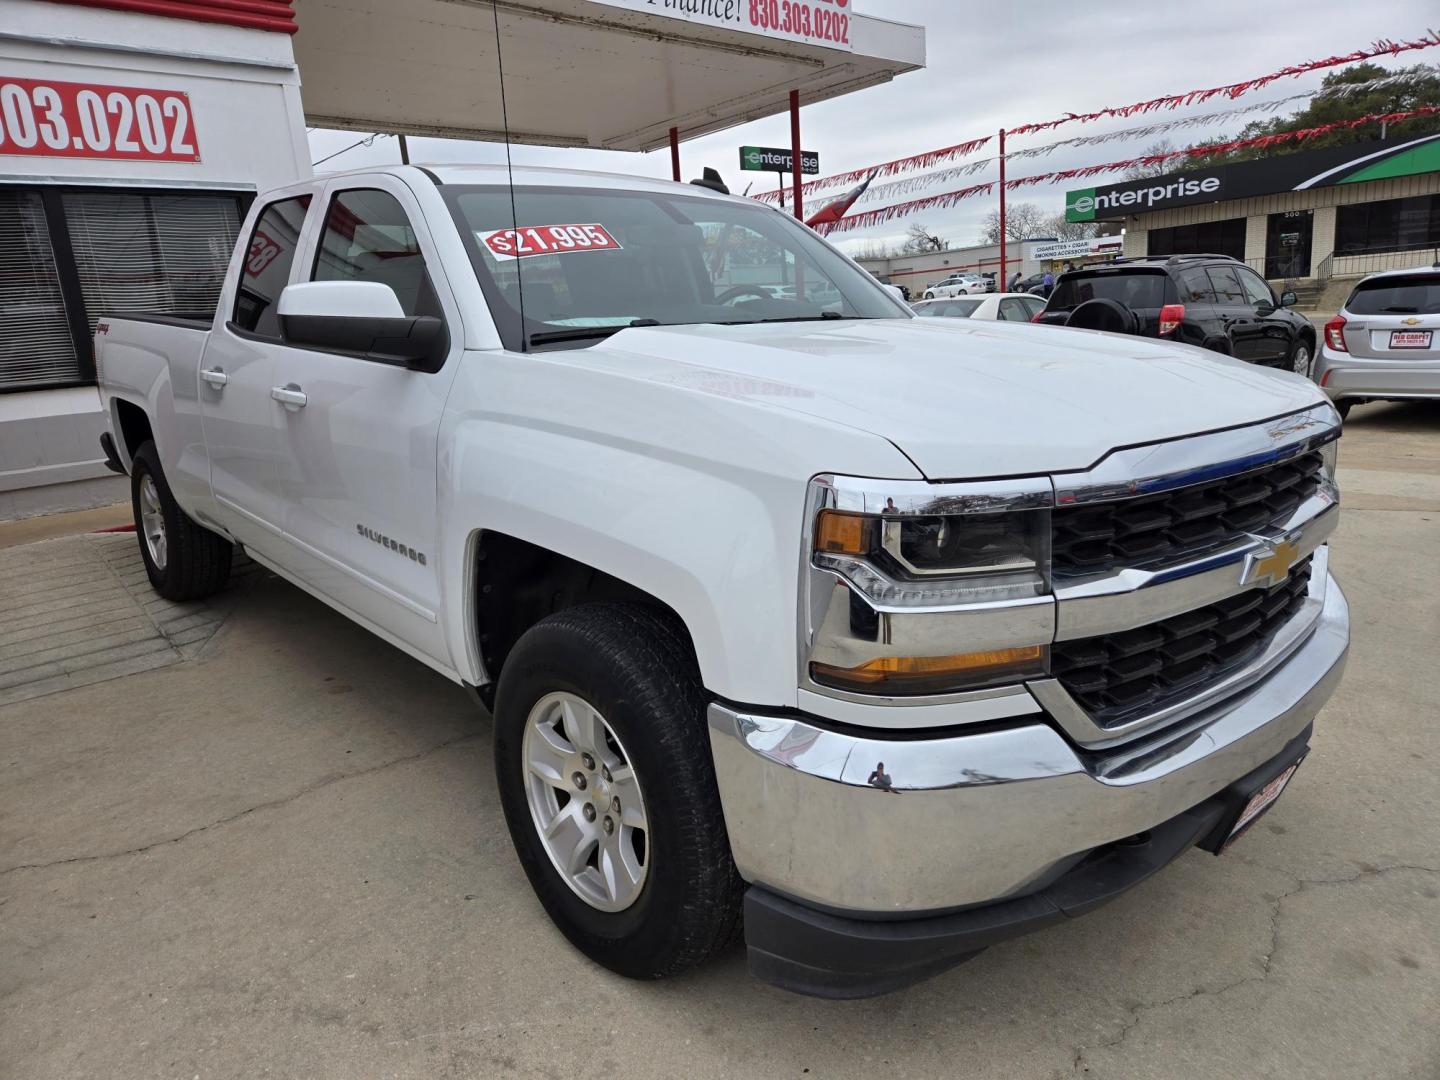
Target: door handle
[
  {"x": 290, "y": 395},
  {"x": 216, "y": 377}
]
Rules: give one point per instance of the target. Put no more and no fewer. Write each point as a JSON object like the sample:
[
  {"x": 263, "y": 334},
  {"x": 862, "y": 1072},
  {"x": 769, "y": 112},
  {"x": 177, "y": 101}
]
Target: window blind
[
  {"x": 161, "y": 253},
  {"x": 36, "y": 348}
]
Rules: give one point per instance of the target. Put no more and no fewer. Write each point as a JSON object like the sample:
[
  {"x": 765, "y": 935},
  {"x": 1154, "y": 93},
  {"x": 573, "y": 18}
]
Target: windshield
[
  {"x": 586, "y": 263},
  {"x": 1136, "y": 289},
  {"x": 1418, "y": 295}
]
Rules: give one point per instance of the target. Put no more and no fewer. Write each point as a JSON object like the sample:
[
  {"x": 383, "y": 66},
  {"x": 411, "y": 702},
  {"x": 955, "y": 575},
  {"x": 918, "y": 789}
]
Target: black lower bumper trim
[{"x": 799, "y": 948}]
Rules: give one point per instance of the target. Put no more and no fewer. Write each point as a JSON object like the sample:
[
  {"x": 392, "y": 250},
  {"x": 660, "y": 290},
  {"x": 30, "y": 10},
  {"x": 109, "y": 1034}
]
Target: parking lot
[{"x": 248, "y": 839}]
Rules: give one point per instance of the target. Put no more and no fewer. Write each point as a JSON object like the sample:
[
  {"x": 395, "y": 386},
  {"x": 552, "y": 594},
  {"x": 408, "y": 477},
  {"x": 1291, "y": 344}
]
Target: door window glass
[
  {"x": 1256, "y": 291},
  {"x": 1227, "y": 286},
  {"x": 1033, "y": 306},
  {"x": 1013, "y": 311},
  {"x": 368, "y": 237},
  {"x": 1194, "y": 286},
  {"x": 266, "y": 270}
]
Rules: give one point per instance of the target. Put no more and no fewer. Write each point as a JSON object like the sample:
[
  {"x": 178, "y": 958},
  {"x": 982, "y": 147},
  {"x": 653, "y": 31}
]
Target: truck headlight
[
  {"x": 1330, "y": 456},
  {"x": 923, "y": 589},
  {"x": 937, "y": 560}
]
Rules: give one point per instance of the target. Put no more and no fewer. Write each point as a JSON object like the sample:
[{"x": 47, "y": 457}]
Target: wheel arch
[
  {"x": 131, "y": 423},
  {"x": 514, "y": 583}
]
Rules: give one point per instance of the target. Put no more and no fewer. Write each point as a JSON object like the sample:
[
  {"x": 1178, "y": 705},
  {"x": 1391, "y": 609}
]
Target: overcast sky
[{"x": 999, "y": 65}]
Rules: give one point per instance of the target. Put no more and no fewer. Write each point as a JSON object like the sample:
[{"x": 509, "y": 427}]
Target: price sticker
[{"x": 549, "y": 240}]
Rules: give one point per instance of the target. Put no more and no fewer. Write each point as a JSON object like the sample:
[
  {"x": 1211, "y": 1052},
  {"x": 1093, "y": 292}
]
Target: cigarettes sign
[{"x": 814, "y": 22}]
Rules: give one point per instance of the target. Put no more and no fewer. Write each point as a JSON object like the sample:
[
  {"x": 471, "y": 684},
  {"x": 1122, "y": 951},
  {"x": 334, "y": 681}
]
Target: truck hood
[{"x": 960, "y": 399}]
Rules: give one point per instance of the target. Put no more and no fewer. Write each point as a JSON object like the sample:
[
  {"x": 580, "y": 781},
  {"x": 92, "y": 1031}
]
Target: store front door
[{"x": 1287, "y": 244}]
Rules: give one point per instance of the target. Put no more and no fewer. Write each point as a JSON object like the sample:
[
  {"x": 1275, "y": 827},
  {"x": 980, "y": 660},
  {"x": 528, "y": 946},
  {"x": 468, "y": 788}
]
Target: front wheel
[
  {"x": 183, "y": 560},
  {"x": 605, "y": 775}
]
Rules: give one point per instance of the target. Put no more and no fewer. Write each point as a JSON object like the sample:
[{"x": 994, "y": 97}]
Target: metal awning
[{"x": 576, "y": 73}]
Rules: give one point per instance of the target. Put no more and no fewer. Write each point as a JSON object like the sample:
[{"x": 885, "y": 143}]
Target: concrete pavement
[{"x": 282, "y": 856}]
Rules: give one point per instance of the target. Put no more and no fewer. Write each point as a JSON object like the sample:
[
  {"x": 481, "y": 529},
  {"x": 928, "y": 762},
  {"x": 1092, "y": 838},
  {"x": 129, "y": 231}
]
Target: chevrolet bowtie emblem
[
  {"x": 1272, "y": 566},
  {"x": 1410, "y": 321}
]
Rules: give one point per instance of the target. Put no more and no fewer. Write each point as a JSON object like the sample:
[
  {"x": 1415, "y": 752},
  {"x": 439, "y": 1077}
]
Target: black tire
[
  {"x": 1292, "y": 361},
  {"x": 1343, "y": 408},
  {"x": 636, "y": 667},
  {"x": 197, "y": 561}
]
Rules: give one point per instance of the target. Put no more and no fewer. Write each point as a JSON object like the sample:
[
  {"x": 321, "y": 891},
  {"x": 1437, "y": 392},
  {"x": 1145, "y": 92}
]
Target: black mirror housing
[
  {"x": 418, "y": 342},
  {"x": 1287, "y": 298}
]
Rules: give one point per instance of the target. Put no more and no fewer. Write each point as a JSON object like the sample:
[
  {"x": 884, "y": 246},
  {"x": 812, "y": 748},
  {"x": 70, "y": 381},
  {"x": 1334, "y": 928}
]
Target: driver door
[{"x": 361, "y": 436}]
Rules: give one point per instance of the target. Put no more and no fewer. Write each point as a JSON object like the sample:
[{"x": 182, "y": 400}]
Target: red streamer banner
[
  {"x": 950, "y": 198},
  {"x": 931, "y": 158},
  {"x": 1234, "y": 90}
]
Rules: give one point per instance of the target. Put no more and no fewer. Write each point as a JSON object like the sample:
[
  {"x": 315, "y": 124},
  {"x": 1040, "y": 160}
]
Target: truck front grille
[
  {"x": 1115, "y": 677},
  {"x": 1161, "y": 528}
]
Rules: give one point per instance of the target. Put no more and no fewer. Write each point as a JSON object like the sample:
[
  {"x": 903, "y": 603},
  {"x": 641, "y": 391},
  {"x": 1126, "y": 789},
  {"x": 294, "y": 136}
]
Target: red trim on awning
[{"x": 275, "y": 15}]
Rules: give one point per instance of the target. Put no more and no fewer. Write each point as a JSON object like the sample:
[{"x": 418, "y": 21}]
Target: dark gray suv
[{"x": 1212, "y": 301}]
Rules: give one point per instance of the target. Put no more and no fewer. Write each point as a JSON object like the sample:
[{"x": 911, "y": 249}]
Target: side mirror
[
  {"x": 362, "y": 318},
  {"x": 1287, "y": 298}
]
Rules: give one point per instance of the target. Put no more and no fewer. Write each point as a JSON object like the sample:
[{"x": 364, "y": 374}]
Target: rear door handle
[
  {"x": 290, "y": 395},
  {"x": 216, "y": 377}
]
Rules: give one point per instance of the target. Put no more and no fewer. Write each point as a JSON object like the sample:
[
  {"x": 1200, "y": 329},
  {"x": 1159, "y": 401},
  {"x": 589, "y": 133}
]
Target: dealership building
[
  {"x": 1307, "y": 217},
  {"x": 134, "y": 135}
]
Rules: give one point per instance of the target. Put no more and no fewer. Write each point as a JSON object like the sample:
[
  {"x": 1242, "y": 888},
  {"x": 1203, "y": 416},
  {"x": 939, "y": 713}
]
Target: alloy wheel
[
  {"x": 585, "y": 801},
  {"x": 1302, "y": 361},
  {"x": 152, "y": 522}
]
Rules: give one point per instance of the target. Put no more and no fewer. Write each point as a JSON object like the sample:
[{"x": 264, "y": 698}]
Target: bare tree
[
  {"x": 920, "y": 239},
  {"x": 873, "y": 249},
  {"x": 1144, "y": 172},
  {"x": 1022, "y": 221},
  {"x": 1058, "y": 227}
]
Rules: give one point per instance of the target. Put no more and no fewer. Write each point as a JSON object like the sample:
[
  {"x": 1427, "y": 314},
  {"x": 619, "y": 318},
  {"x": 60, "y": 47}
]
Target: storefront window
[
  {"x": 163, "y": 254},
  {"x": 36, "y": 347},
  {"x": 69, "y": 256},
  {"x": 1207, "y": 238},
  {"x": 1389, "y": 225}
]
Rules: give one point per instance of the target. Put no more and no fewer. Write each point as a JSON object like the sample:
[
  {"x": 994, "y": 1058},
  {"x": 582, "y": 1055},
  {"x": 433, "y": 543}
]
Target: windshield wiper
[
  {"x": 1402, "y": 310},
  {"x": 824, "y": 316},
  {"x": 580, "y": 333}
]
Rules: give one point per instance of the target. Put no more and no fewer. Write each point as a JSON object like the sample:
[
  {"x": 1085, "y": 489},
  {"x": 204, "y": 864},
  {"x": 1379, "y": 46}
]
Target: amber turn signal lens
[
  {"x": 844, "y": 533},
  {"x": 933, "y": 674}
]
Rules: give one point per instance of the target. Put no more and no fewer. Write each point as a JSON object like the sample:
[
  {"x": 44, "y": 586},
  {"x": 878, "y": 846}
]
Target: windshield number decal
[{"x": 549, "y": 240}]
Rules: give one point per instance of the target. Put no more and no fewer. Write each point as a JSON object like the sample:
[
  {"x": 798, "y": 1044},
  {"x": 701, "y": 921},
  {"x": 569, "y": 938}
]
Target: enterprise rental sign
[
  {"x": 1354, "y": 164},
  {"x": 774, "y": 159}
]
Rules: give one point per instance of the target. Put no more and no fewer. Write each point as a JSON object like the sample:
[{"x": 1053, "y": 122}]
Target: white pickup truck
[{"x": 882, "y": 638}]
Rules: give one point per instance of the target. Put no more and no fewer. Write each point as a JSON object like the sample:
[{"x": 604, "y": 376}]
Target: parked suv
[
  {"x": 1212, "y": 301},
  {"x": 1385, "y": 341}
]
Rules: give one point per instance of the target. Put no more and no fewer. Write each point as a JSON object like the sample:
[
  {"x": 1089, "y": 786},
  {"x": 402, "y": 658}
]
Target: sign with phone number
[
  {"x": 47, "y": 118},
  {"x": 815, "y": 22}
]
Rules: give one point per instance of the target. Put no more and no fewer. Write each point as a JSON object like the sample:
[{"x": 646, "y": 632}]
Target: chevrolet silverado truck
[{"x": 872, "y": 639}]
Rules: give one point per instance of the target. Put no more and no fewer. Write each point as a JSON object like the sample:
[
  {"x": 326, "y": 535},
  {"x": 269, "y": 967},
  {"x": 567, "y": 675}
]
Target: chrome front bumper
[{"x": 862, "y": 823}]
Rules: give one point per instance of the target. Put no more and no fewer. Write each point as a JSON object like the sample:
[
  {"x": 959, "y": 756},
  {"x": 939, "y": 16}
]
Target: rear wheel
[
  {"x": 1343, "y": 408},
  {"x": 1300, "y": 360},
  {"x": 606, "y": 779},
  {"x": 183, "y": 560}
]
